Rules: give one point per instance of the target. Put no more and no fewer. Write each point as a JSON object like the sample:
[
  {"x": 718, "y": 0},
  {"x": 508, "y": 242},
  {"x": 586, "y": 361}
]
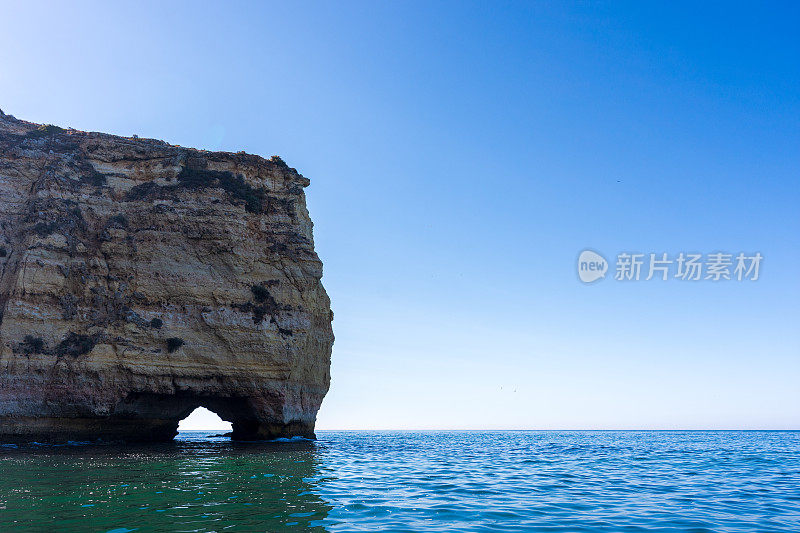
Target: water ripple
[{"x": 412, "y": 481}]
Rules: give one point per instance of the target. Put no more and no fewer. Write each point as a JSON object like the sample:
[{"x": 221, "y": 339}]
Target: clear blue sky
[{"x": 461, "y": 156}]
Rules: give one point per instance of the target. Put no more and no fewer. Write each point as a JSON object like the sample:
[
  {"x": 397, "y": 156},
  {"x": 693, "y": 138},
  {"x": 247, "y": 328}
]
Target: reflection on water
[
  {"x": 194, "y": 484},
  {"x": 412, "y": 481}
]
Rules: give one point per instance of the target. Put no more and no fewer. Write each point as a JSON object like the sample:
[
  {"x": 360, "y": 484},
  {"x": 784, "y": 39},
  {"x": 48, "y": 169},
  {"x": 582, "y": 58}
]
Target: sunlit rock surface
[{"x": 139, "y": 280}]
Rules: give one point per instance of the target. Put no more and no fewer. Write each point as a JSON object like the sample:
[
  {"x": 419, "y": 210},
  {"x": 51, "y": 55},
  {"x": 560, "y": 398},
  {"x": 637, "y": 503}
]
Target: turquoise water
[{"x": 412, "y": 481}]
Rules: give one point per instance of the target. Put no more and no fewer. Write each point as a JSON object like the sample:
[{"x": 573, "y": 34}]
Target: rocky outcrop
[{"x": 140, "y": 280}]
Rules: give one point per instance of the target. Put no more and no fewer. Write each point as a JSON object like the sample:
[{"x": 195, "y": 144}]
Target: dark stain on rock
[
  {"x": 142, "y": 191},
  {"x": 31, "y": 345},
  {"x": 75, "y": 345},
  {"x": 236, "y": 187},
  {"x": 57, "y": 216},
  {"x": 195, "y": 176},
  {"x": 45, "y": 130},
  {"x": 173, "y": 343},
  {"x": 263, "y": 305},
  {"x": 119, "y": 221},
  {"x": 94, "y": 178}
]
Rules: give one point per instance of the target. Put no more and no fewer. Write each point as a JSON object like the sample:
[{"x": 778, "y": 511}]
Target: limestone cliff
[{"x": 139, "y": 280}]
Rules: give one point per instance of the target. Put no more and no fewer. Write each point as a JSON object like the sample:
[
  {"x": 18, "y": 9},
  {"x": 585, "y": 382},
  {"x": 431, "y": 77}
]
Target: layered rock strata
[{"x": 140, "y": 280}]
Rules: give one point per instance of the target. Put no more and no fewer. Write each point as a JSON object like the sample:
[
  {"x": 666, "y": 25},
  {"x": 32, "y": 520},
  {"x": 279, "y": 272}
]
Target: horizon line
[{"x": 521, "y": 430}]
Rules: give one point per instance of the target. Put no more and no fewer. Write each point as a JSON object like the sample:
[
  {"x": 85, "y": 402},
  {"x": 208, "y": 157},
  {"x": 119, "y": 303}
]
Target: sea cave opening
[
  {"x": 203, "y": 419},
  {"x": 159, "y": 417}
]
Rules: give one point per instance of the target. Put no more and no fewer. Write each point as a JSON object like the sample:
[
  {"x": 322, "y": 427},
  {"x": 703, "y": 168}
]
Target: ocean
[{"x": 554, "y": 481}]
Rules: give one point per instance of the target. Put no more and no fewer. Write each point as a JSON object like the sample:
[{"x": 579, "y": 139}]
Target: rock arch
[
  {"x": 156, "y": 417},
  {"x": 139, "y": 280}
]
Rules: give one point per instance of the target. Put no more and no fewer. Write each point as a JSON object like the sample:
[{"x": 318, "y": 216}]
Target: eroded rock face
[{"x": 140, "y": 280}]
